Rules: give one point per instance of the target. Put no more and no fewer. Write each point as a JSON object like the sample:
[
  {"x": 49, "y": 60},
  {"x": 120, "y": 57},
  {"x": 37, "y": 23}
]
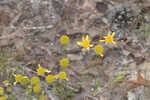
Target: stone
[
  {"x": 101, "y": 7},
  {"x": 75, "y": 57}
]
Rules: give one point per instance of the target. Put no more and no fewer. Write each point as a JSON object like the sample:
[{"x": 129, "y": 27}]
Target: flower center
[
  {"x": 109, "y": 39},
  {"x": 86, "y": 43}
]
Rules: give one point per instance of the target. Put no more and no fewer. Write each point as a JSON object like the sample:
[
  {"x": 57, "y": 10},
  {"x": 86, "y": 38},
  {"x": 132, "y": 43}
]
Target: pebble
[{"x": 75, "y": 57}]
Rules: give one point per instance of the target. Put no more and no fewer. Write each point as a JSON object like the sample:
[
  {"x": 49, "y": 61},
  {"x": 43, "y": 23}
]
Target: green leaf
[{"x": 118, "y": 78}]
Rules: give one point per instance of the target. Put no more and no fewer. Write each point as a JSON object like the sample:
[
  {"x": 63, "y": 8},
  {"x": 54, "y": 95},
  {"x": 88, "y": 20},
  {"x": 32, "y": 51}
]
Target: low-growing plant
[
  {"x": 32, "y": 86},
  {"x": 63, "y": 91}
]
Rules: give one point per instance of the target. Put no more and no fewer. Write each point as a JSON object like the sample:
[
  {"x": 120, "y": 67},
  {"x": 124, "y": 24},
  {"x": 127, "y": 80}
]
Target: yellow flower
[
  {"x": 37, "y": 88},
  {"x": 63, "y": 75},
  {"x": 109, "y": 38},
  {"x": 64, "y": 62},
  {"x": 6, "y": 82},
  {"x": 41, "y": 71},
  {"x": 25, "y": 80},
  {"x": 35, "y": 80},
  {"x": 21, "y": 79},
  {"x": 99, "y": 50},
  {"x": 8, "y": 89},
  {"x": 2, "y": 98},
  {"x": 1, "y": 91},
  {"x": 119, "y": 78},
  {"x": 18, "y": 78},
  {"x": 50, "y": 79},
  {"x": 64, "y": 39},
  {"x": 85, "y": 43}
]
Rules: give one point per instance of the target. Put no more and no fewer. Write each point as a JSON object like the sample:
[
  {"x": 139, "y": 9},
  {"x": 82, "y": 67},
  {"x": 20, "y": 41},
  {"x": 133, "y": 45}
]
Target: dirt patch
[{"x": 30, "y": 31}]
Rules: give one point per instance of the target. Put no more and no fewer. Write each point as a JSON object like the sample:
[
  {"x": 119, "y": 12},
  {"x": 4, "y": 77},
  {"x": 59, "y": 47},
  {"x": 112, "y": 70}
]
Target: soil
[{"x": 30, "y": 32}]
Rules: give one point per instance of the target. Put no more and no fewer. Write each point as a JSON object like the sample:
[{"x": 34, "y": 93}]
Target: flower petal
[
  {"x": 88, "y": 48},
  {"x": 106, "y": 42},
  {"x": 109, "y": 33},
  {"x": 87, "y": 37},
  {"x": 79, "y": 43},
  {"x": 91, "y": 45},
  {"x": 113, "y": 34},
  {"x": 105, "y": 37},
  {"x": 114, "y": 42},
  {"x": 66, "y": 78},
  {"x": 101, "y": 40},
  {"x": 39, "y": 65},
  {"x": 83, "y": 38},
  {"x": 101, "y": 54},
  {"x": 48, "y": 71}
]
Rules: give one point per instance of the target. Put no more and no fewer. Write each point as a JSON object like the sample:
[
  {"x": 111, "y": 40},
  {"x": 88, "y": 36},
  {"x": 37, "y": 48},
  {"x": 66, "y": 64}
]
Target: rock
[
  {"x": 125, "y": 52},
  {"x": 131, "y": 96},
  {"x": 105, "y": 20},
  {"x": 72, "y": 49},
  {"x": 4, "y": 42},
  {"x": 35, "y": 5},
  {"x": 101, "y": 7},
  {"x": 75, "y": 57},
  {"x": 146, "y": 67},
  {"x": 120, "y": 18}
]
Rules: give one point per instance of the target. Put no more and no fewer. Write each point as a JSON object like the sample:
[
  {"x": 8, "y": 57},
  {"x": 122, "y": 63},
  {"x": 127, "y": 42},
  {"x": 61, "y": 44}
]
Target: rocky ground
[{"x": 30, "y": 32}]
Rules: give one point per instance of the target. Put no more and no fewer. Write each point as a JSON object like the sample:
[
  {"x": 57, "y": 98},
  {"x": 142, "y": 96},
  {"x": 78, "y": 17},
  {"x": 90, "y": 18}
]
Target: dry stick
[
  {"x": 101, "y": 72},
  {"x": 93, "y": 63},
  {"x": 136, "y": 83}
]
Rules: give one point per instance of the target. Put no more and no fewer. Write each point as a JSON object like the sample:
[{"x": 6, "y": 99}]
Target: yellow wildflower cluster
[
  {"x": 33, "y": 83},
  {"x": 1, "y": 91},
  {"x": 7, "y": 88},
  {"x": 7, "y": 84},
  {"x": 2, "y": 97},
  {"x": 51, "y": 78},
  {"x": 85, "y": 43},
  {"x": 41, "y": 71},
  {"x": 64, "y": 62},
  {"x": 24, "y": 80}
]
